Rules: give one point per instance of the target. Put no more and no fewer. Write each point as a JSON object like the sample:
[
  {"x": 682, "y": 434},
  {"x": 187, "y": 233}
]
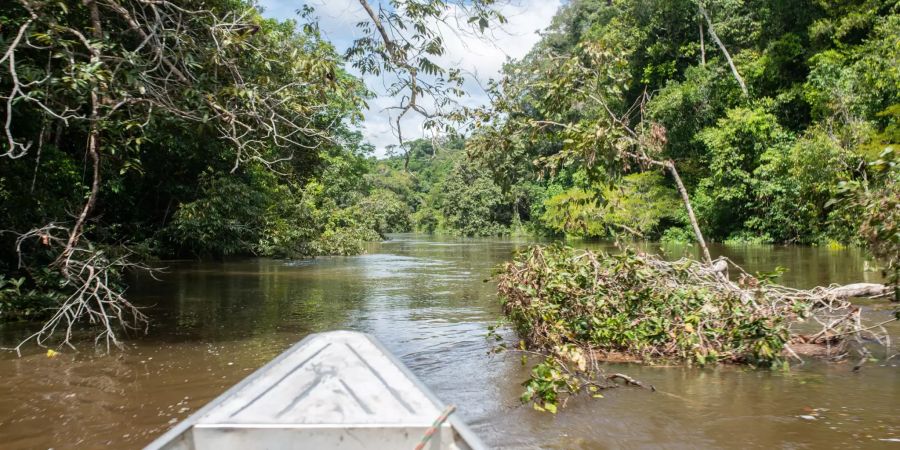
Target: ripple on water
[{"x": 216, "y": 322}]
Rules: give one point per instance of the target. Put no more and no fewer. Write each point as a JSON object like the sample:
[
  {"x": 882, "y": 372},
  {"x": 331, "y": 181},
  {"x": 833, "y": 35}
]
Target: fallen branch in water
[
  {"x": 631, "y": 381},
  {"x": 860, "y": 290},
  {"x": 92, "y": 279},
  {"x": 572, "y": 305},
  {"x": 565, "y": 373}
]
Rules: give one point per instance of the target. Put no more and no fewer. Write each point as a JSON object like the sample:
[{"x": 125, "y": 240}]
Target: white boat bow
[{"x": 335, "y": 390}]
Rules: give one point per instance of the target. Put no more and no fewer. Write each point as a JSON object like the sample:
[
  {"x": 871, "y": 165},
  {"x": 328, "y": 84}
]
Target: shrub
[
  {"x": 640, "y": 203},
  {"x": 385, "y": 212},
  {"x": 18, "y": 301},
  {"x": 576, "y": 307},
  {"x": 473, "y": 204},
  {"x": 677, "y": 235},
  {"x": 227, "y": 219},
  {"x": 726, "y": 198},
  {"x": 625, "y": 303},
  {"x": 880, "y": 227}
]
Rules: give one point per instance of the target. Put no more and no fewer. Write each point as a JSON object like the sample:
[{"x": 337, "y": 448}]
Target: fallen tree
[
  {"x": 580, "y": 110},
  {"x": 859, "y": 290},
  {"x": 577, "y": 307}
]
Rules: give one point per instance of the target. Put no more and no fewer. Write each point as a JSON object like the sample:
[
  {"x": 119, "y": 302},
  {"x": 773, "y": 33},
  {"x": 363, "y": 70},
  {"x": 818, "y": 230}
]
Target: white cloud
[{"x": 480, "y": 56}]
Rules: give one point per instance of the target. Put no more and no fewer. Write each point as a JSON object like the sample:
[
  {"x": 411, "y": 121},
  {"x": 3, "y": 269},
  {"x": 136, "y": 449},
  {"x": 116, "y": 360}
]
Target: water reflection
[{"x": 426, "y": 300}]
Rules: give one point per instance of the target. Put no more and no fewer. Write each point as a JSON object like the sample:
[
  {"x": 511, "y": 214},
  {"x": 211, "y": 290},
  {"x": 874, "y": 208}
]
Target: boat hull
[{"x": 340, "y": 390}]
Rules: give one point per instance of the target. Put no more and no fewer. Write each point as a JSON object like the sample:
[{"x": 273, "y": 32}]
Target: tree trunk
[
  {"x": 687, "y": 205},
  {"x": 715, "y": 38},
  {"x": 669, "y": 165},
  {"x": 702, "y": 46},
  {"x": 94, "y": 154},
  {"x": 93, "y": 144},
  {"x": 859, "y": 290}
]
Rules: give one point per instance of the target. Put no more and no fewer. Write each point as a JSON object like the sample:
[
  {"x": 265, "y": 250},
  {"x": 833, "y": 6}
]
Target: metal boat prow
[{"x": 336, "y": 390}]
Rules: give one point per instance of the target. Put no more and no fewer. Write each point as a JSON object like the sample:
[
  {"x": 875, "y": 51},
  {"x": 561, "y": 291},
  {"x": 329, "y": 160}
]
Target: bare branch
[{"x": 715, "y": 38}]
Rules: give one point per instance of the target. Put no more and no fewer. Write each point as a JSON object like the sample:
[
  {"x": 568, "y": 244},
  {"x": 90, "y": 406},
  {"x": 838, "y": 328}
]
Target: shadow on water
[{"x": 426, "y": 299}]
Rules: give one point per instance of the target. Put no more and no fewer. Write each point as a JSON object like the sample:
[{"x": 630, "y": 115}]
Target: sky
[{"x": 480, "y": 57}]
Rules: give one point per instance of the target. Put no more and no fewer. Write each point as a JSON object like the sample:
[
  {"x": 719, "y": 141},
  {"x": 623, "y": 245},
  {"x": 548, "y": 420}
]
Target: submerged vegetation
[
  {"x": 639, "y": 307},
  {"x": 578, "y": 307},
  {"x": 736, "y": 122}
]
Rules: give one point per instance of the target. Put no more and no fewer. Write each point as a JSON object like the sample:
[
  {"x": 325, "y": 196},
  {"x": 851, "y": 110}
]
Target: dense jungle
[
  {"x": 139, "y": 135},
  {"x": 782, "y": 123}
]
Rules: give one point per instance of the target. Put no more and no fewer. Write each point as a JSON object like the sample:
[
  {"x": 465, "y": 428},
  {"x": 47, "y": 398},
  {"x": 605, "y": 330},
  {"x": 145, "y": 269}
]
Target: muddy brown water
[{"x": 425, "y": 298}]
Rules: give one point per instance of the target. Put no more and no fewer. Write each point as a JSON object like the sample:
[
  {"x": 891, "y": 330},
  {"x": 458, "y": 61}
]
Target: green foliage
[
  {"x": 639, "y": 203},
  {"x": 880, "y": 227},
  {"x": 255, "y": 214},
  {"x": 229, "y": 216},
  {"x": 558, "y": 295},
  {"x": 18, "y": 302},
  {"x": 612, "y": 86},
  {"x": 573, "y": 304},
  {"x": 438, "y": 190},
  {"x": 794, "y": 185},
  {"x": 725, "y": 198},
  {"x": 343, "y": 241},
  {"x": 427, "y": 220},
  {"x": 574, "y": 212},
  {"x": 745, "y": 238},
  {"x": 857, "y": 81},
  {"x": 207, "y": 145},
  {"x": 573, "y": 143},
  {"x": 677, "y": 235},
  {"x": 385, "y": 212},
  {"x": 684, "y": 107},
  {"x": 311, "y": 222},
  {"x": 548, "y": 383},
  {"x": 472, "y": 204}
]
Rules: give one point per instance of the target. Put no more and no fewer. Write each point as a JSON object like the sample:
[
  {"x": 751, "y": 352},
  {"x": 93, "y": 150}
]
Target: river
[{"x": 427, "y": 300}]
